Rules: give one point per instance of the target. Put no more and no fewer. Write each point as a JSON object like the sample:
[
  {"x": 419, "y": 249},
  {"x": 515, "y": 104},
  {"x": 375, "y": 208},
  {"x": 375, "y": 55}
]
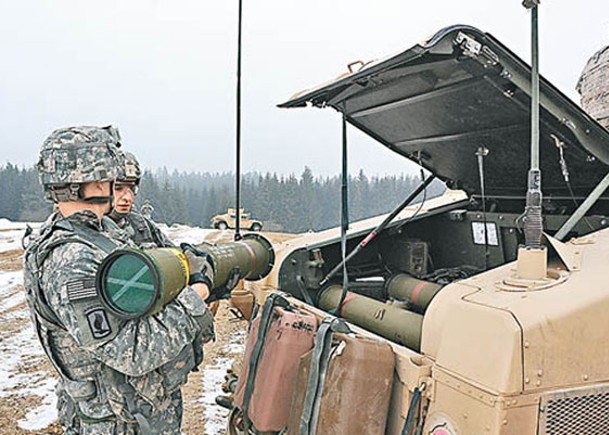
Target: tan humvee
[
  {"x": 495, "y": 351},
  {"x": 228, "y": 220}
]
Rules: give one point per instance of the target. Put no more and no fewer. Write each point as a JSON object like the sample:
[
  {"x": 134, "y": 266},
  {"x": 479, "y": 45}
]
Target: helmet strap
[{"x": 115, "y": 214}]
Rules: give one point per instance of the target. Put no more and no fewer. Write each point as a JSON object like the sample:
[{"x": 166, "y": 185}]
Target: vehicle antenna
[
  {"x": 238, "y": 131},
  {"x": 533, "y": 252},
  {"x": 533, "y": 224}
]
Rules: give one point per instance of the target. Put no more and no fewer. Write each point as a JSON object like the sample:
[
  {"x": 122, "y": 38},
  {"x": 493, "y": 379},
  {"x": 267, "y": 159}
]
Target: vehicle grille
[{"x": 580, "y": 411}]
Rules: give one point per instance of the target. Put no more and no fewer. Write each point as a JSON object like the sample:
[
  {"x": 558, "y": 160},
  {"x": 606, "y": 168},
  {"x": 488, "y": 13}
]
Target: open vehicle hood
[{"x": 441, "y": 100}]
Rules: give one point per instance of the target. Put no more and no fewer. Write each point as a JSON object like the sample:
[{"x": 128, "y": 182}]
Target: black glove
[{"x": 223, "y": 291}]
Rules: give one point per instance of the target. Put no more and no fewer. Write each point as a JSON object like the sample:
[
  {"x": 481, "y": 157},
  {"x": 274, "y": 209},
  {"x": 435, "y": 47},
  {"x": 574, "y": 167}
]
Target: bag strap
[
  {"x": 320, "y": 359},
  {"x": 83, "y": 235},
  {"x": 412, "y": 410}
]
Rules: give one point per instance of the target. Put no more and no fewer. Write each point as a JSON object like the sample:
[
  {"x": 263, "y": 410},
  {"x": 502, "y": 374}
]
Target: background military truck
[{"x": 227, "y": 220}]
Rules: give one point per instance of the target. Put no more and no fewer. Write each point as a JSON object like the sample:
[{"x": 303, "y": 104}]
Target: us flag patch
[{"x": 82, "y": 289}]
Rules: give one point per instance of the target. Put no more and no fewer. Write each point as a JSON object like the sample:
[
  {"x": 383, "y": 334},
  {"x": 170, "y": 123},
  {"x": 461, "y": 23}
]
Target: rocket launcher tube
[
  {"x": 253, "y": 256},
  {"x": 416, "y": 292},
  {"x": 390, "y": 321},
  {"x": 133, "y": 282}
]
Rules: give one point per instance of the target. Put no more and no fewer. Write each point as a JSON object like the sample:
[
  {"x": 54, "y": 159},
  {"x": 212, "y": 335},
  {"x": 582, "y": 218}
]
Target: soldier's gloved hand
[
  {"x": 201, "y": 266},
  {"x": 223, "y": 291}
]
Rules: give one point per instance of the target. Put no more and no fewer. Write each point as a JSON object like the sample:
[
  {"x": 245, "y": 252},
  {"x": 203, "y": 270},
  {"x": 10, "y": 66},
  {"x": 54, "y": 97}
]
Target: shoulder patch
[
  {"x": 81, "y": 289},
  {"x": 98, "y": 322}
]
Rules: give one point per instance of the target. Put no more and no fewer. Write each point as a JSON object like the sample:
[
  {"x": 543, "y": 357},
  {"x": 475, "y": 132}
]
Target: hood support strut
[{"x": 583, "y": 209}]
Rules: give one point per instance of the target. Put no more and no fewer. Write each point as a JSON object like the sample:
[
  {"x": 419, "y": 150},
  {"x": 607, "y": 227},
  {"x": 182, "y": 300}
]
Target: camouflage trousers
[{"x": 167, "y": 422}]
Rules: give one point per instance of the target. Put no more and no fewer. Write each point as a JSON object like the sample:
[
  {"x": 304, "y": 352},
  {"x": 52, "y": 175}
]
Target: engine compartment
[{"x": 414, "y": 257}]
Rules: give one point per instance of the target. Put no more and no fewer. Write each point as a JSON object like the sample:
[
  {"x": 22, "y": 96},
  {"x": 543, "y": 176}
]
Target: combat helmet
[
  {"x": 129, "y": 168},
  {"x": 72, "y": 156}
]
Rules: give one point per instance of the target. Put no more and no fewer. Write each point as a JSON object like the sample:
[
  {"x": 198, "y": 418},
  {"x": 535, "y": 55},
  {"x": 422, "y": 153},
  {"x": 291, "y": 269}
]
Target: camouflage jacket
[
  {"x": 113, "y": 369},
  {"x": 143, "y": 231}
]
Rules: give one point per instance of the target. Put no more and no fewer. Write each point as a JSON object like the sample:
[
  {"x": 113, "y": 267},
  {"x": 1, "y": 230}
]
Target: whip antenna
[
  {"x": 238, "y": 131},
  {"x": 532, "y": 257}
]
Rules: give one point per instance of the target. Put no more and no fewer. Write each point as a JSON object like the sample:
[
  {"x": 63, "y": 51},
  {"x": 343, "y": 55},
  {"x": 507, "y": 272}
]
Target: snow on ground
[
  {"x": 15, "y": 350},
  {"x": 20, "y": 354},
  {"x": 183, "y": 233},
  {"x": 20, "y": 351},
  {"x": 11, "y": 233},
  {"x": 213, "y": 378},
  {"x": 11, "y": 290},
  {"x": 45, "y": 414}
]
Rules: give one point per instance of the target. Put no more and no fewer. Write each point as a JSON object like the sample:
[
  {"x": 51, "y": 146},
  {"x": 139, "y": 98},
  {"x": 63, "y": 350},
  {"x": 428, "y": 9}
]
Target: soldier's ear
[{"x": 96, "y": 188}]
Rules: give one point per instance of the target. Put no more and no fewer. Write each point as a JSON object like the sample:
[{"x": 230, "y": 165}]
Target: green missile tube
[
  {"x": 253, "y": 256},
  {"x": 415, "y": 291},
  {"x": 133, "y": 282},
  {"x": 392, "y": 322}
]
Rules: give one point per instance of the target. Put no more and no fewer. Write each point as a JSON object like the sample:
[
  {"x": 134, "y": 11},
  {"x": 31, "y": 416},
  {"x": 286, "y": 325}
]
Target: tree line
[{"x": 287, "y": 203}]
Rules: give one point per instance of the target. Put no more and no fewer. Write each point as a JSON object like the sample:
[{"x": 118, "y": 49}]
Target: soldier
[
  {"x": 147, "y": 209},
  {"x": 140, "y": 228},
  {"x": 116, "y": 376}
]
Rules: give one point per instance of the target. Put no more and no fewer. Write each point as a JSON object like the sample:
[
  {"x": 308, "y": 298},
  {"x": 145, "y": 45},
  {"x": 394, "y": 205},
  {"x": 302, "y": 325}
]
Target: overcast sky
[{"x": 163, "y": 71}]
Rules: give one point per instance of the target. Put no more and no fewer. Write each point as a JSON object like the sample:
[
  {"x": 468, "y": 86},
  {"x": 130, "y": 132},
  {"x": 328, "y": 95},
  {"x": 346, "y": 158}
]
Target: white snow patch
[
  {"x": 6, "y": 223},
  {"x": 11, "y": 233},
  {"x": 14, "y": 350},
  {"x": 23, "y": 348},
  {"x": 182, "y": 233},
  {"x": 44, "y": 415},
  {"x": 10, "y": 239},
  {"x": 236, "y": 346},
  {"x": 216, "y": 417},
  {"x": 11, "y": 294}
]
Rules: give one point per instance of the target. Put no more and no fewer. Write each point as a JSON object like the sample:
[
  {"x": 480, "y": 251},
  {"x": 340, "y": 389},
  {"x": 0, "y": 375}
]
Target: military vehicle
[
  {"x": 227, "y": 220},
  {"x": 482, "y": 341}
]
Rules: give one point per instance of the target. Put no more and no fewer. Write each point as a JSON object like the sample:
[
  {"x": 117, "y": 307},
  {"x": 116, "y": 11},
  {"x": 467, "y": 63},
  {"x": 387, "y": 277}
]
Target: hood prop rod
[
  {"x": 420, "y": 188},
  {"x": 344, "y": 217},
  {"x": 583, "y": 209}
]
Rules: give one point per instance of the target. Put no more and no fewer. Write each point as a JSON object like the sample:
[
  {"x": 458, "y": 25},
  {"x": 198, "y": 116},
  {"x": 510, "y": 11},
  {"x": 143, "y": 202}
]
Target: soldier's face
[{"x": 124, "y": 194}]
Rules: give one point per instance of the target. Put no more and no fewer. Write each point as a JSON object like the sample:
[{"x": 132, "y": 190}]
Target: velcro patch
[
  {"x": 98, "y": 322},
  {"x": 82, "y": 289}
]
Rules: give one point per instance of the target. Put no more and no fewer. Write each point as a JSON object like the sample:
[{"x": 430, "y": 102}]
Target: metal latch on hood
[{"x": 474, "y": 49}]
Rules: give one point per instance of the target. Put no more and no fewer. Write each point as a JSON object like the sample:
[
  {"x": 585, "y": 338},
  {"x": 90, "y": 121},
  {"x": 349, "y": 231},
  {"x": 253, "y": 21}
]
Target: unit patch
[
  {"x": 81, "y": 289},
  {"x": 98, "y": 322}
]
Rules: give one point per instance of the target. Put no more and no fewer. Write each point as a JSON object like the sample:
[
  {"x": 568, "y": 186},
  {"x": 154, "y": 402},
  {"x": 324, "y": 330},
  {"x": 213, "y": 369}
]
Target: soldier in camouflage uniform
[
  {"x": 117, "y": 376},
  {"x": 142, "y": 230},
  {"x": 147, "y": 209}
]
